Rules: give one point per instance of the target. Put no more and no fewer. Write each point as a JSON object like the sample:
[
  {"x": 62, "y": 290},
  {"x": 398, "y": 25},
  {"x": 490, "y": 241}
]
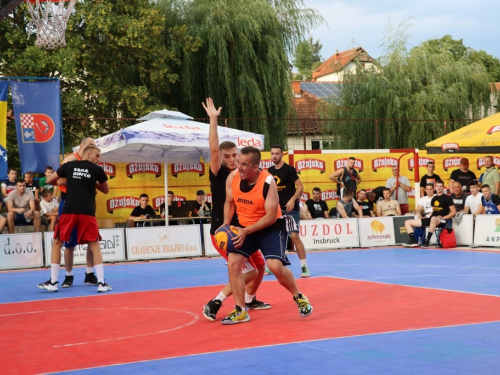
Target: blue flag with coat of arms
[
  {"x": 37, "y": 110},
  {"x": 4, "y": 87}
]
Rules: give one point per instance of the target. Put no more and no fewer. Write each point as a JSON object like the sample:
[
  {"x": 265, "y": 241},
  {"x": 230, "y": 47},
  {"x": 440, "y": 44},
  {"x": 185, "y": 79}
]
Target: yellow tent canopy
[{"x": 481, "y": 137}]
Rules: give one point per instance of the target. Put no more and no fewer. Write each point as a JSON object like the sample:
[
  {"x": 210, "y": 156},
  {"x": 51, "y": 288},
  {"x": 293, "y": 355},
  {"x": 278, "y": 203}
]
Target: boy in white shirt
[
  {"x": 473, "y": 201},
  {"x": 424, "y": 204},
  {"x": 49, "y": 207}
]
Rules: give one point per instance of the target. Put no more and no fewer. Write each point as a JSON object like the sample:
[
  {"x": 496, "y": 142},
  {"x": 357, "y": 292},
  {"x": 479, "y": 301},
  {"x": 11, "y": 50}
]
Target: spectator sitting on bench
[
  {"x": 317, "y": 206},
  {"x": 388, "y": 206},
  {"x": 9, "y": 184},
  {"x": 347, "y": 205},
  {"x": 44, "y": 185},
  {"x": 141, "y": 212},
  {"x": 21, "y": 207},
  {"x": 443, "y": 209},
  {"x": 49, "y": 208},
  {"x": 489, "y": 201},
  {"x": 32, "y": 186}
]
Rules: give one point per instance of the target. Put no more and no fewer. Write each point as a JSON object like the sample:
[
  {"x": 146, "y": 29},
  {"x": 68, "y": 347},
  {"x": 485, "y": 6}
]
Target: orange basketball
[{"x": 224, "y": 237}]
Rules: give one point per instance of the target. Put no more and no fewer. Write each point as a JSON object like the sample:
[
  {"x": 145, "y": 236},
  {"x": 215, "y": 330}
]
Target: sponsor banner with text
[
  {"x": 163, "y": 242},
  {"x": 21, "y": 251},
  {"x": 376, "y": 231},
  {"x": 112, "y": 247},
  {"x": 400, "y": 235},
  {"x": 329, "y": 233},
  {"x": 487, "y": 230}
]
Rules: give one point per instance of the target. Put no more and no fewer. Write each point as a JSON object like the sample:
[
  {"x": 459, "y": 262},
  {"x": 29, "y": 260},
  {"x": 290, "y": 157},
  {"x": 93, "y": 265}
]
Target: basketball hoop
[{"x": 49, "y": 18}]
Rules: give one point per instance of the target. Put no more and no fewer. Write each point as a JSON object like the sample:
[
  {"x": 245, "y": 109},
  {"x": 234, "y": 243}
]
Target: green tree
[
  {"x": 118, "y": 62},
  {"x": 421, "y": 83},
  {"x": 243, "y": 61},
  {"x": 307, "y": 57}
]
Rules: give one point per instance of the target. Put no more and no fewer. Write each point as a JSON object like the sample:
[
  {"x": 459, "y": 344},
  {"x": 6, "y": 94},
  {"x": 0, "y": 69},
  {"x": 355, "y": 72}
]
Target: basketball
[{"x": 224, "y": 237}]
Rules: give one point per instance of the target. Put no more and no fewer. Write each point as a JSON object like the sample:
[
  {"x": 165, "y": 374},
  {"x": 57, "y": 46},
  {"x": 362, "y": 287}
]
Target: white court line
[
  {"x": 283, "y": 344},
  {"x": 194, "y": 320},
  {"x": 412, "y": 286}
]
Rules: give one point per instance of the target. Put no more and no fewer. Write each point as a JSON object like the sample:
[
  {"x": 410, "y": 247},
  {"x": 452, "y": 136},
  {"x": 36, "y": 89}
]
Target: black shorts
[
  {"x": 427, "y": 222},
  {"x": 270, "y": 241}
]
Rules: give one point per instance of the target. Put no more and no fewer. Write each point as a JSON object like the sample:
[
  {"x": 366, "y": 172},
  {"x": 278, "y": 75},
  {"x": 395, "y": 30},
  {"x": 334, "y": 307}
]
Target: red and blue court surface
[{"x": 382, "y": 311}]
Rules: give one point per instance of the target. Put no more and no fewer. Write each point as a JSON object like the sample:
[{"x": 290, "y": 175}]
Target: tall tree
[
  {"x": 307, "y": 57},
  {"x": 118, "y": 61},
  {"x": 243, "y": 62},
  {"x": 421, "y": 83}
]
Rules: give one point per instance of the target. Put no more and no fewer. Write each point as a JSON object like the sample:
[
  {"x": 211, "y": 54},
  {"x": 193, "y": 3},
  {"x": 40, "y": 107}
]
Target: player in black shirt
[
  {"x": 82, "y": 179},
  {"x": 224, "y": 160},
  {"x": 443, "y": 209},
  {"x": 142, "y": 211},
  {"x": 289, "y": 191}
]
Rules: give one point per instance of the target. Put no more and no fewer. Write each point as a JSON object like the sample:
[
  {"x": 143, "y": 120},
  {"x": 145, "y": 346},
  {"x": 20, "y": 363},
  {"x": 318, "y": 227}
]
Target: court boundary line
[{"x": 273, "y": 345}]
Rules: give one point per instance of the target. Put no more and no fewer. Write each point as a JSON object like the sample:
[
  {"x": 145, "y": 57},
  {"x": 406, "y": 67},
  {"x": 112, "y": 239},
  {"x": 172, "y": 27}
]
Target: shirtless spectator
[
  {"x": 366, "y": 205},
  {"x": 21, "y": 207},
  {"x": 49, "y": 209},
  {"x": 346, "y": 206},
  {"x": 458, "y": 196},
  {"x": 424, "y": 207},
  {"x": 9, "y": 184},
  {"x": 388, "y": 206},
  {"x": 489, "y": 201},
  {"x": 142, "y": 211},
  {"x": 473, "y": 201},
  {"x": 463, "y": 175},
  {"x": 316, "y": 206}
]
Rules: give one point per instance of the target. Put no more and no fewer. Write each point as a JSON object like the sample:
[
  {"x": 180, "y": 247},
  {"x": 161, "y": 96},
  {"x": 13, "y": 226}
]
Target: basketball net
[{"x": 49, "y": 18}]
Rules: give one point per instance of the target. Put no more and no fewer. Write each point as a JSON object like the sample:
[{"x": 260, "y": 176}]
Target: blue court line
[{"x": 470, "y": 349}]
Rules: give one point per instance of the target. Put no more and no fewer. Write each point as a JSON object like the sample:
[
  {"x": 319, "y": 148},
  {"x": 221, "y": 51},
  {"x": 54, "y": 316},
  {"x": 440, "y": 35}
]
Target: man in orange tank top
[
  {"x": 252, "y": 192},
  {"x": 69, "y": 247}
]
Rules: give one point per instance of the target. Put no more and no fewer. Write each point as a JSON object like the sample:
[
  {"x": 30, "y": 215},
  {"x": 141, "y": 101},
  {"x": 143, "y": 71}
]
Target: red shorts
[
  {"x": 404, "y": 208},
  {"x": 87, "y": 228},
  {"x": 256, "y": 259}
]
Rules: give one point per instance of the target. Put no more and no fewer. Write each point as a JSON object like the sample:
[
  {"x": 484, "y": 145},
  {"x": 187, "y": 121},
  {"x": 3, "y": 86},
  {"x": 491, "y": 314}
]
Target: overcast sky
[{"x": 477, "y": 22}]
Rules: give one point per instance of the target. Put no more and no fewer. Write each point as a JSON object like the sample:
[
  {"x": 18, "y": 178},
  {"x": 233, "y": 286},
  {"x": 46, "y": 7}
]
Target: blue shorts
[
  {"x": 20, "y": 219},
  {"x": 73, "y": 239},
  {"x": 296, "y": 217},
  {"x": 271, "y": 242}
]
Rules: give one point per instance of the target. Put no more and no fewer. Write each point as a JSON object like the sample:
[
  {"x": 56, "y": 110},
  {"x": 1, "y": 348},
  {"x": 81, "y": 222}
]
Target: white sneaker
[
  {"x": 103, "y": 287},
  {"x": 48, "y": 285}
]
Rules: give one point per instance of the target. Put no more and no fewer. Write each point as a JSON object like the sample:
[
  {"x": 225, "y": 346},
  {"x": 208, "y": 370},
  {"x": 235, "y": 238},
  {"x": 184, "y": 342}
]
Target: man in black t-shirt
[
  {"x": 82, "y": 179},
  {"x": 429, "y": 178},
  {"x": 443, "y": 209},
  {"x": 142, "y": 211},
  {"x": 290, "y": 189},
  {"x": 316, "y": 206},
  {"x": 366, "y": 206},
  {"x": 463, "y": 175},
  {"x": 224, "y": 161}
]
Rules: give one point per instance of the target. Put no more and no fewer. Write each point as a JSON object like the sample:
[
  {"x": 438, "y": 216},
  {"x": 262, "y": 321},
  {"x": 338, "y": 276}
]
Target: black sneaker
[
  {"x": 68, "y": 281},
  {"x": 51, "y": 287},
  {"x": 412, "y": 243},
  {"x": 90, "y": 278},
  {"x": 257, "y": 305},
  {"x": 425, "y": 243},
  {"x": 211, "y": 309}
]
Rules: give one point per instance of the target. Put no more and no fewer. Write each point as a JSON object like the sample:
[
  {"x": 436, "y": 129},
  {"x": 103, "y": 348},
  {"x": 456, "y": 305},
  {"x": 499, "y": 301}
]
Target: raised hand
[{"x": 210, "y": 108}]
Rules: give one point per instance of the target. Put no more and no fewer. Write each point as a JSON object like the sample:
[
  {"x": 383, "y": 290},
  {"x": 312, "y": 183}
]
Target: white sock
[
  {"x": 54, "y": 272},
  {"x": 99, "y": 270},
  {"x": 90, "y": 269},
  {"x": 69, "y": 273},
  {"x": 303, "y": 262},
  {"x": 249, "y": 298},
  {"x": 221, "y": 297}
]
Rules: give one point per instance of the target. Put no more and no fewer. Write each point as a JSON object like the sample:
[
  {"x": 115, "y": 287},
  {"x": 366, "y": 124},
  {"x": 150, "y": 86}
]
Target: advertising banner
[
  {"x": 21, "y": 251},
  {"x": 112, "y": 247},
  {"x": 464, "y": 232},
  {"x": 487, "y": 230},
  {"x": 210, "y": 250},
  {"x": 376, "y": 231},
  {"x": 329, "y": 233},
  {"x": 163, "y": 242},
  {"x": 4, "y": 88},
  {"x": 400, "y": 235}
]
